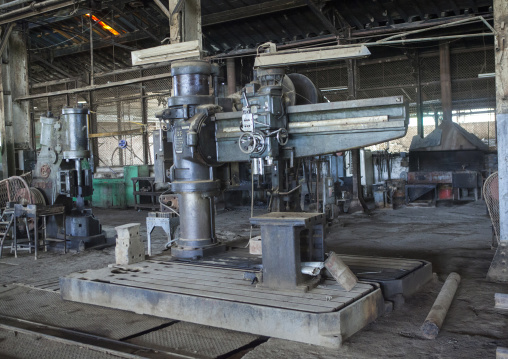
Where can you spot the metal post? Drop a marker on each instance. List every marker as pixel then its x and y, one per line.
pixel 91 52
pixel 357 195
pixel 144 120
pixel 499 268
pixel 351 79
pixel 119 119
pixel 14 78
pixel 419 99
pixel 357 202
pixel 446 82
pixel 174 23
pixel 94 148
pixel 436 118
pixel 67 99
pixel 231 73
pixel 191 26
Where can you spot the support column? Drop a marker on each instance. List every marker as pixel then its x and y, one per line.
pixel 231 73
pixel 175 30
pixel 14 84
pixel 357 202
pixel 191 22
pixel 499 268
pixel 446 82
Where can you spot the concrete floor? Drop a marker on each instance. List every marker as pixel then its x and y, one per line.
pixel 456 238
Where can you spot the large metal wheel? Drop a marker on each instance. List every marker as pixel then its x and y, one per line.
pixel 306 92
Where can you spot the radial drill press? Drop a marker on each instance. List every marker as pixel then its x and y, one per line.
pixel 273 129
pixel 190 120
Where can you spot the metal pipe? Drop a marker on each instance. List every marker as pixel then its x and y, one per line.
pixel 95 87
pixel 231 74
pixel 5 38
pixel 13 3
pixel 212 219
pixel 91 51
pixel 77 166
pixel 215 86
pixel 419 97
pixel 32 8
pixel 437 314
pixel 455 23
pixel 446 81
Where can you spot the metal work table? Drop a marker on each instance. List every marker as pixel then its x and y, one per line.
pixel 35 212
pixel 152 194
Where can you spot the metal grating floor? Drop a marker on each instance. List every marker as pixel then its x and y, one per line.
pixel 194 338
pixel 50 285
pixel 47 307
pixel 27 346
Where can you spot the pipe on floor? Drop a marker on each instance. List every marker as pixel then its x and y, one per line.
pixel 434 321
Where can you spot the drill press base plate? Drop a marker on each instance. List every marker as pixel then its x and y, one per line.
pixel 221 297
pixel 399 278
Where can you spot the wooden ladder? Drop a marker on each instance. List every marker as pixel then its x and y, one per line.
pixel 5 227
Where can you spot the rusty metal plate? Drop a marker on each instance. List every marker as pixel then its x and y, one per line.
pixel 430 177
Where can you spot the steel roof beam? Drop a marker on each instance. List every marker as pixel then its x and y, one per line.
pixel 250 11
pixel 35 10
pixel 139 27
pixel 100 44
pixel 324 20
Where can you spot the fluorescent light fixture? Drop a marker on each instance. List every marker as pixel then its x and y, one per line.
pixel 312 55
pixel 484 76
pixel 178 51
pixel 82 101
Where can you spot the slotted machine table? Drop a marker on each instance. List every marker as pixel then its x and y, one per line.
pixel 233 290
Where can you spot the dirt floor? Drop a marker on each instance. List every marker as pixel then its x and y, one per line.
pixel 453 238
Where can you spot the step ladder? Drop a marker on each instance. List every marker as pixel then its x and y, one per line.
pixel 5 227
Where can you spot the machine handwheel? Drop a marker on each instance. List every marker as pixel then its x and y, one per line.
pixel 250 142
pixel 282 137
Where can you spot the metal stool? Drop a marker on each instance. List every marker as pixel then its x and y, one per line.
pixel 166 220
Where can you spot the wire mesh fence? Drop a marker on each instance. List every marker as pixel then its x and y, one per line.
pixel 123 115
pixel 128 112
pixel 473 96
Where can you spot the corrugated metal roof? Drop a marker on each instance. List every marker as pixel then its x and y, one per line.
pixel 228 25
